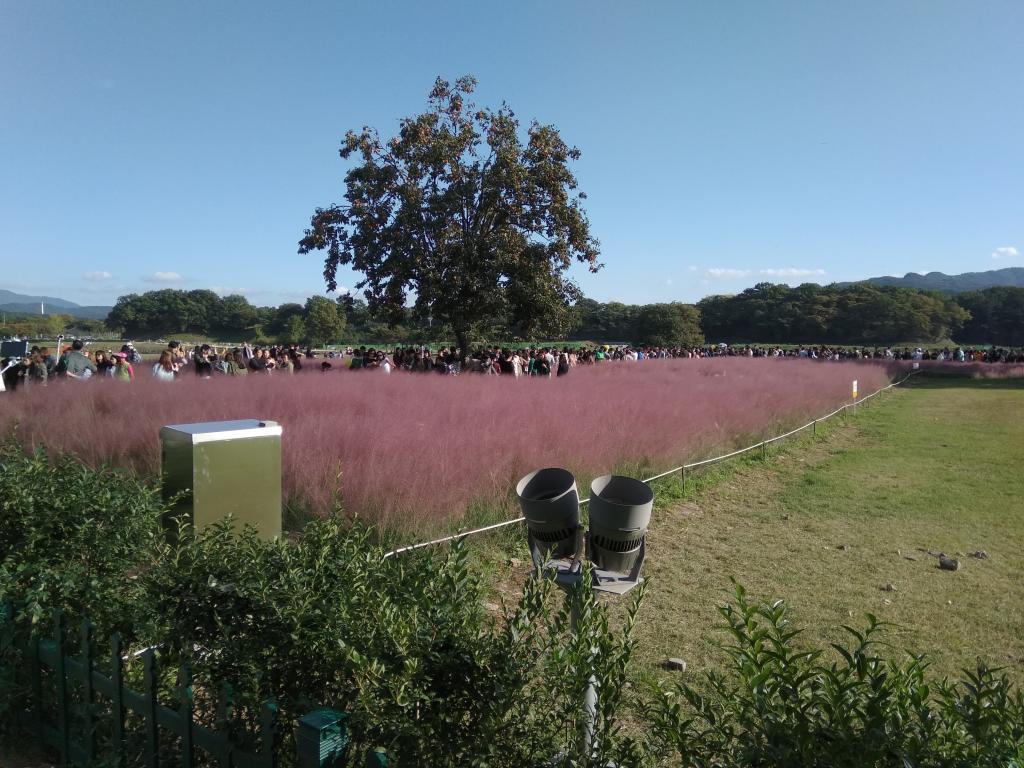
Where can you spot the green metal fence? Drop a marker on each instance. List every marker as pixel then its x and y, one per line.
pixel 83 713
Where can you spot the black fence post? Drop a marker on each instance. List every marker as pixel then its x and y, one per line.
pixel 268 734
pixel 61 678
pixel 7 636
pixel 187 711
pixel 88 694
pixel 117 699
pixel 225 706
pixel 152 749
pixel 36 674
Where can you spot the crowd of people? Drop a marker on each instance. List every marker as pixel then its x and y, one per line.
pixel 76 362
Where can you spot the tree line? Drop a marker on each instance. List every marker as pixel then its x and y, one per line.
pixel 204 313
pixel 863 313
pixel 766 313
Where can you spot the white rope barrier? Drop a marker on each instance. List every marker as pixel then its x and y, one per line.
pixel 682 468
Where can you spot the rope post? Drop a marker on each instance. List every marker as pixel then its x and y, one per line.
pixel 814 428
pixel 764 449
pixel 684 478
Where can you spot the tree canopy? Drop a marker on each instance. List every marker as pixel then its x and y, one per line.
pixel 767 313
pixel 997 316
pixel 462 215
pixel 861 313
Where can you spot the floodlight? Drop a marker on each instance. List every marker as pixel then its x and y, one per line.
pixel 551 507
pixel 620 511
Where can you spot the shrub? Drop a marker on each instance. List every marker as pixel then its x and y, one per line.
pixel 403 645
pixel 74 538
pixel 784 706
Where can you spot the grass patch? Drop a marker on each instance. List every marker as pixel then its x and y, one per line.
pixel 828 521
pixel 935 466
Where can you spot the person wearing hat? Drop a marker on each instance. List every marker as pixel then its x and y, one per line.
pixel 122 370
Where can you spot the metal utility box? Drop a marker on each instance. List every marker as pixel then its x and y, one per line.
pixel 222 468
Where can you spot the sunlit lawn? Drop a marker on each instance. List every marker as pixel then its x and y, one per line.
pixel 826 523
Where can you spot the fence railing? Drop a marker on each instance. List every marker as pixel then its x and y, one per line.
pixel 72 702
pixel 682 469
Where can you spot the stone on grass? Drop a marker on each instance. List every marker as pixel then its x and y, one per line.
pixel 889 588
pixel 948 563
pixel 675 664
pixel 981 554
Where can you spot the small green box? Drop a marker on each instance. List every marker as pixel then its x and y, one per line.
pixel 322 739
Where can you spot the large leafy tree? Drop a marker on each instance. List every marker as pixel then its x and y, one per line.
pixel 669 325
pixel 322 323
pixel 462 214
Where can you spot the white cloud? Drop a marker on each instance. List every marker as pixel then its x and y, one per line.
pixel 97 277
pixel 726 272
pixel 228 290
pixel 732 273
pixel 1005 252
pixel 164 277
pixel 791 272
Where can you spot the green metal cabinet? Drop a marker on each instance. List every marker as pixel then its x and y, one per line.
pixel 222 468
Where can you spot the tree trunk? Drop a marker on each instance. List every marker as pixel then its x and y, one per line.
pixel 462 339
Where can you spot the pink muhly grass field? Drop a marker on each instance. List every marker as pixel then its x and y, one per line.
pixel 973 370
pixel 414 451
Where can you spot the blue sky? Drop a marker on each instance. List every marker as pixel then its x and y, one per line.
pixel 186 144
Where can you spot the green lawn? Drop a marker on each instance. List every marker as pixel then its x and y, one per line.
pixel 936 466
pixel 828 522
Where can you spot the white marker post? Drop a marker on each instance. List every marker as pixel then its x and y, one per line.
pixel 855 394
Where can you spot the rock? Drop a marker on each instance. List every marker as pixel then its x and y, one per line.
pixel 948 563
pixel 889 588
pixel 515 562
pixel 675 664
pixel 910 557
pixel 981 554
pixel 843 547
pixel 492 607
pixel 887 601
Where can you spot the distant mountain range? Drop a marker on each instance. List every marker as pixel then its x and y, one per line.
pixel 939 281
pixel 30 305
pixel 933 281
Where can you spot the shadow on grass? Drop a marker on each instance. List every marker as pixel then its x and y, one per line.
pixel 953 381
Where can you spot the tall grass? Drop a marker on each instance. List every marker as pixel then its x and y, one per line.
pixel 417 451
pixel 973 370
